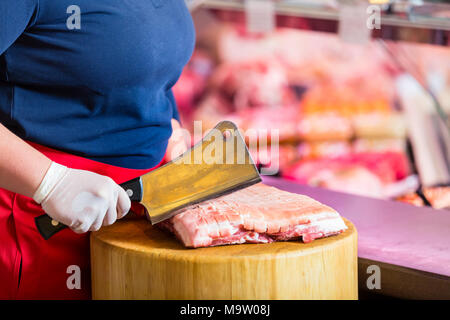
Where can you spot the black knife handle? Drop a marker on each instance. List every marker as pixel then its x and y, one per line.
pixel 134 189
pixel 47 226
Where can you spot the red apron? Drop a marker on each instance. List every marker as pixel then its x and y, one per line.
pixel 34 268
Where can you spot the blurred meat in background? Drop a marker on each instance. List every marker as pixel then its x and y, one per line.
pixel 335 106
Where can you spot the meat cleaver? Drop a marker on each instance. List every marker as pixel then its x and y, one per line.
pixel 219 164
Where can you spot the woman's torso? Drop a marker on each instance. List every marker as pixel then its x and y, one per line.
pixel 102 91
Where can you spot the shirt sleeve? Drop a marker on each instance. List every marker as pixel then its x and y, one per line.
pixel 175 113
pixel 15 17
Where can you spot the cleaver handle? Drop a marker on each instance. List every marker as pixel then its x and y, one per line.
pixel 47 227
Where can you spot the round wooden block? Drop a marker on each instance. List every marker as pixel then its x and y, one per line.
pixel 134 260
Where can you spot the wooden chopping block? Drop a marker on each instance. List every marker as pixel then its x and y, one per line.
pixel 134 260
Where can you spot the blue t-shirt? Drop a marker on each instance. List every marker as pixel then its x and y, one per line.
pixel 95 84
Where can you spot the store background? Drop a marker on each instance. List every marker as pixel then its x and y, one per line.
pixel 362 112
pixel 353 114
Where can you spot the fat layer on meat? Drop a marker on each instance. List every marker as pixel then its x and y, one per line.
pixel 257 214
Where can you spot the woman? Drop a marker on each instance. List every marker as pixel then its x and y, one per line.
pixel 85 104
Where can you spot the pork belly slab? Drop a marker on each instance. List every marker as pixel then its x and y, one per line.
pixel 257 214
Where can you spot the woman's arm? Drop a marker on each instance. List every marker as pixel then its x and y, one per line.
pixel 22 167
pixel 80 199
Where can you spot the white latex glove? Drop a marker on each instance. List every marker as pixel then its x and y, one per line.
pixel 82 200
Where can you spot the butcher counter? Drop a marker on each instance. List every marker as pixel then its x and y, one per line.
pixel 392 249
pixel 410 245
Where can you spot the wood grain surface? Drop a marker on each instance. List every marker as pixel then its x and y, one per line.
pixel 134 260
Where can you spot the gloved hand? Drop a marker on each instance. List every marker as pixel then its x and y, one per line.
pixel 82 200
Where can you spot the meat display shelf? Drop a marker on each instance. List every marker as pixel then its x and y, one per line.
pixel 409 244
pixel 396 25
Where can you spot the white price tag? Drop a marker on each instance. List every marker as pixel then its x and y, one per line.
pixel 260 16
pixel 353 22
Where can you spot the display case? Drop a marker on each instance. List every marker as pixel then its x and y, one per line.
pixel 356 117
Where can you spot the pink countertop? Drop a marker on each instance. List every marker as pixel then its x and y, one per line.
pixel 388 231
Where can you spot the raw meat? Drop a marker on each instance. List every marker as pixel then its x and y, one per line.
pixel 336 175
pixel 257 214
pixel 281 121
pixel 389 167
pixel 379 145
pixel 255 84
pixel 379 125
pixel 324 126
pixel 411 198
pixel 323 149
pixel 439 197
